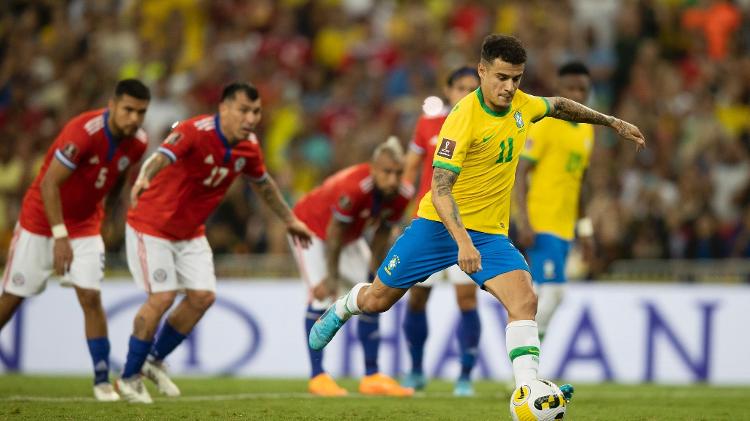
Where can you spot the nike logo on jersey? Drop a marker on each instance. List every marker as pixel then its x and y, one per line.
pixel 485 139
pixel 94 160
pixel 209 160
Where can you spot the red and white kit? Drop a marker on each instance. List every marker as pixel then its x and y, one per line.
pixel 97 159
pixel 166 246
pixel 350 197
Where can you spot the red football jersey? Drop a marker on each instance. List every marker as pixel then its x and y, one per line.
pixel 87 147
pixel 349 196
pixel 425 139
pixel 204 165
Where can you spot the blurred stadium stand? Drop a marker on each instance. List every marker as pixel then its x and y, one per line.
pixel 336 77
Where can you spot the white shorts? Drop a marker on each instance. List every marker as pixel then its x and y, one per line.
pixel 30 263
pixel 452 274
pixel 160 265
pixel 354 265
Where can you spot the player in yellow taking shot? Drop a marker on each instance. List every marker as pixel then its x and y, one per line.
pixel 548 194
pixel 464 218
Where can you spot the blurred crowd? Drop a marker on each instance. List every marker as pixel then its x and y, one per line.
pixel 338 76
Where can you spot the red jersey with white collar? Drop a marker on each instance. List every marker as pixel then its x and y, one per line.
pixel 183 195
pixel 423 143
pixel 86 146
pixel 351 197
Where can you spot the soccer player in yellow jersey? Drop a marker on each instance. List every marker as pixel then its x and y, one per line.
pixel 548 193
pixel 464 218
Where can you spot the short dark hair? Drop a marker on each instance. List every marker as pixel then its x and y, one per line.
pixel 231 90
pixel 505 47
pixel 461 72
pixel 134 88
pixel 573 68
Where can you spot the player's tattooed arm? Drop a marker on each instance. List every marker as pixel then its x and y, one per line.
pixel 379 246
pixel 267 189
pixel 469 259
pixel 334 244
pixel 566 109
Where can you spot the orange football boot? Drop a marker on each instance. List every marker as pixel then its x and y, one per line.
pixel 382 385
pixel 324 385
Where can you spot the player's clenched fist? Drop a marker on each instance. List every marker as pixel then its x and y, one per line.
pixel 469 259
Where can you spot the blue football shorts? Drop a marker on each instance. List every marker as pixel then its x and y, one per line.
pixel 426 247
pixel 547 258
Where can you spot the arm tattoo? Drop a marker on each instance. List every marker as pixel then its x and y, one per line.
pixel 565 109
pixel 444 181
pixel 271 195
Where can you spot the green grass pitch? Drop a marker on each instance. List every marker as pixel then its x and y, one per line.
pixel 69 398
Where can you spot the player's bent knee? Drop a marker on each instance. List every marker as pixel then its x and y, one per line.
pixel 524 308
pixel 201 300
pixel 161 301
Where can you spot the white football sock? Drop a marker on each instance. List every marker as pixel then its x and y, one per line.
pixel 522 343
pixel 346 306
pixel 550 295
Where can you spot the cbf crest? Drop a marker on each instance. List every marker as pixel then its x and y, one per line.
pixel 519 119
pixel 239 164
pixel 392 264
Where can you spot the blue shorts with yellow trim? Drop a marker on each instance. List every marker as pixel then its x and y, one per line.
pixel 547 258
pixel 426 247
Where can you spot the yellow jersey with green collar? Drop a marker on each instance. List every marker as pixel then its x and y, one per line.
pixel 561 151
pixel 482 146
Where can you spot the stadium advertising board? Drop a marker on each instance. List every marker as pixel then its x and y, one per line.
pixel 617 332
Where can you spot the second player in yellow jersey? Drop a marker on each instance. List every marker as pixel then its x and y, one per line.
pixel 548 193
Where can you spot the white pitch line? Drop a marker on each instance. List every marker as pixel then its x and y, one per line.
pixel 698 394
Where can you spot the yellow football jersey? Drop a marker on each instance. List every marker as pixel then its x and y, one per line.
pixel 483 147
pixel 561 151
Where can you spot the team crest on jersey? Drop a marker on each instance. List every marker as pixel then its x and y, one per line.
pixel 173 138
pixel 123 163
pixel 70 151
pixel 519 119
pixel 239 164
pixel 392 264
pixel 446 149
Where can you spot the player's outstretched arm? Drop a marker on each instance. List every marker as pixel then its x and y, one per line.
pixel 443 180
pixel 566 109
pixel 267 189
pixel 335 232
pixel 155 163
pixel 379 246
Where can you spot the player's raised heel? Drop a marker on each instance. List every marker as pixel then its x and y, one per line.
pixel 157 373
pixel 133 390
pixel 567 391
pixel 416 381
pixel 104 392
pixel 463 387
pixel 324 329
pixel 324 385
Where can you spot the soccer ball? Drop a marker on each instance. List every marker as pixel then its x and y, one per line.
pixel 538 400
